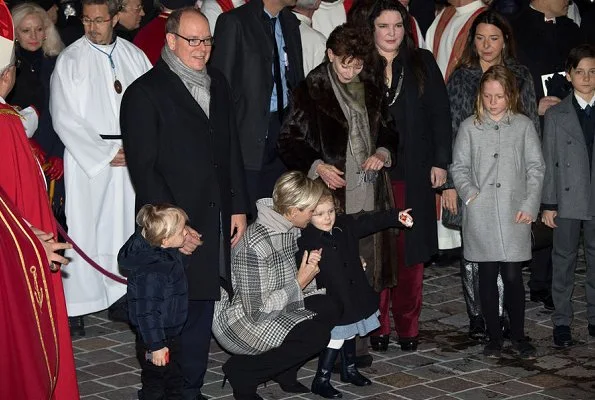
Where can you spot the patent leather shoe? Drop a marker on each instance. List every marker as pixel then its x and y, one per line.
pixel 408 344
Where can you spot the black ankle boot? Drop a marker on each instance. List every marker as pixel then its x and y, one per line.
pixel 379 343
pixel 321 385
pixel 349 372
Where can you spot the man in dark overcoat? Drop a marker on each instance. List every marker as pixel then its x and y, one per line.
pixel 182 148
pixel 259 50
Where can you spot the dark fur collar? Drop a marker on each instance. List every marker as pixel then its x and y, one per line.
pixel 321 92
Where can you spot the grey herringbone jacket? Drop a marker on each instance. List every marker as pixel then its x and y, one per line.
pixel 268 301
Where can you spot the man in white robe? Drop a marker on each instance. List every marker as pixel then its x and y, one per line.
pixel 85 94
pixel 213 8
pixel 330 14
pixel 446 38
pixel 462 11
pixel 313 42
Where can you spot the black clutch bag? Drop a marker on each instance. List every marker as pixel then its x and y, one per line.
pixel 451 220
pixel 542 236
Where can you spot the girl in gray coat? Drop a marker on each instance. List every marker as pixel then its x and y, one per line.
pixel 498 172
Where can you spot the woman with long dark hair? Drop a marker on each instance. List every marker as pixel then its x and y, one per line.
pixel 490 43
pixel 415 98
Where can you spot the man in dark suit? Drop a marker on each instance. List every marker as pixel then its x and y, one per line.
pixel 182 148
pixel 544 36
pixel 260 52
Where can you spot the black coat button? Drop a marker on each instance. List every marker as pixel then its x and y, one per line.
pixel 212 204
pixel 495 155
pixel 215 165
pixel 345 265
pixel 497 185
pixel 569 142
pixel 567 189
pixel 496 127
pixel 567 164
pixel 334 247
pixel 351 282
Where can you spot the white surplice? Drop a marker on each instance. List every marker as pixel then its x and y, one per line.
pixel 99 198
pixel 328 16
pixel 212 10
pixel 451 32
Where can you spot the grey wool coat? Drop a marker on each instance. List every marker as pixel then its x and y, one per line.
pixel 502 163
pixel 268 301
pixel 567 186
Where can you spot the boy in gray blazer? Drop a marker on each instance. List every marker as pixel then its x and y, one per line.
pixel 568 197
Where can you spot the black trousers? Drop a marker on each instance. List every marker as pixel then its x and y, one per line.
pixel 514 297
pixel 304 341
pixel 195 341
pixel 541 270
pixel 161 383
pixel 260 183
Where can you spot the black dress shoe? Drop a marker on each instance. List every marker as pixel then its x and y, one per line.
pixel 493 349
pixel 379 343
pixel 364 361
pixel 562 336
pixel 408 344
pixel 543 296
pixel 293 387
pixel 477 329
pixel 591 329
pixel 77 326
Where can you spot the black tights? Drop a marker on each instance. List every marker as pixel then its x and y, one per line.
pixel 514 297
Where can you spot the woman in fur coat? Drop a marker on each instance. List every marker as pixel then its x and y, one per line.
pixel 490 43
pixel 335 131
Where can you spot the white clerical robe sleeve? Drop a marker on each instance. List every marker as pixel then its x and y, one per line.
pixel 82 139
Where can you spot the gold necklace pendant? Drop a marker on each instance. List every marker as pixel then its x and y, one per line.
pixel 118 86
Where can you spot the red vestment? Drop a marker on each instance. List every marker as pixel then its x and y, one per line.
pixel 151 37
pixel 23 185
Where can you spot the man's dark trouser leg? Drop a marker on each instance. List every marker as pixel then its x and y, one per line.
pixel 195 341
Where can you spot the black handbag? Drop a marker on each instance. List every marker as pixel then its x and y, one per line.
pixel 542 236
pixel 451 220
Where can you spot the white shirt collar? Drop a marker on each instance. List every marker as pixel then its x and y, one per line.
pixel 303 18
pixel 582 103
pixel 546 19
pixel 2 101
pixel 470 8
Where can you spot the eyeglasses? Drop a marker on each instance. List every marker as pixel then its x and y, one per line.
pixel 135 10
pixel 196 42
pixel 96 21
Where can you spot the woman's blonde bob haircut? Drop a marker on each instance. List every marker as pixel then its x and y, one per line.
pixel 52 45
pixel 295 190
pixel 159 221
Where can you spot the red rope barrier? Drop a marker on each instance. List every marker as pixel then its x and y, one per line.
pixel 88 259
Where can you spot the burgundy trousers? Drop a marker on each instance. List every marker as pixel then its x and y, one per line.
pixel 405 299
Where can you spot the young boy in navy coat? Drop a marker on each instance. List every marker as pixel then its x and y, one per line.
pixel 157 296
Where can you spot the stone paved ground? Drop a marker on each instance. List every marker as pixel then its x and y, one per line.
pixel 446 366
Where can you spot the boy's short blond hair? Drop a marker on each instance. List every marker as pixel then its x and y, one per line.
pixel 295 190
pixel 159 221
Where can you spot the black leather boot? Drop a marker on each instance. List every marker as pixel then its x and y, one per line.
pixel 349 372
pixel 321 385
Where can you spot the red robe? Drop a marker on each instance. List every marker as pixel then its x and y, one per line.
pixel 151 38
pixel 23 184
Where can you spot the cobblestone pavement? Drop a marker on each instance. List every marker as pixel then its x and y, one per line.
pixel 447 364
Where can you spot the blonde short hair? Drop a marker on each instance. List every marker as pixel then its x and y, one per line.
pixel 159 221
pixel 52 45
pixel 295 190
